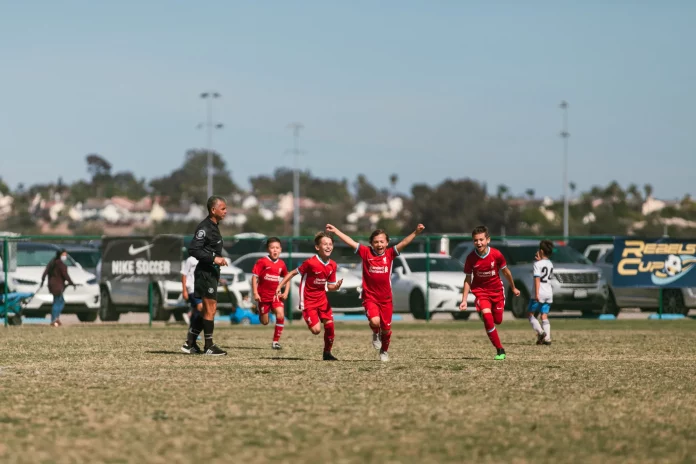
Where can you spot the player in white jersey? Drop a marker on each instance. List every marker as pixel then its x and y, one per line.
pixel 543 293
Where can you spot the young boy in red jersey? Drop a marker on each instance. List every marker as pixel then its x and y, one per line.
pixel 265 276
pixel 318 275
pixel 376 276
pixel 482 268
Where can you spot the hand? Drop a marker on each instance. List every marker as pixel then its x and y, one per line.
pixel 220 261
pixel 283 296
pixel 331 229
pixel 338 284
pixel 516 292
pixel 420 229
pixel 184 296
pixel 257 297
pixel 463 306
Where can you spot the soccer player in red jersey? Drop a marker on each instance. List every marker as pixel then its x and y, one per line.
pixel 377 262
pixel 482 268
pixel 265 276
pixel 318 275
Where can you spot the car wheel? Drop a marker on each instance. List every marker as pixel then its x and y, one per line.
pixel 107 311
pixel 461 316
pixel 159 312
pixel 245 321
pixel 87 317
pixel 673 302
pixel 417 304
pixel 519 305
pixel 610 306
pixel 14 320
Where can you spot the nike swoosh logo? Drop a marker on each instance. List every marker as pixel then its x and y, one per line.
pixel 134 251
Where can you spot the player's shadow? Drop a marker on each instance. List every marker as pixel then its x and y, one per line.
pixel 241 347
pixel 270 358
pixel 460 358
pixel 170 352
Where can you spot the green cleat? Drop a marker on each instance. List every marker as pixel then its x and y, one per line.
pixel 501 355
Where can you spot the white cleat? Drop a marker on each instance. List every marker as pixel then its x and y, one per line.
pixel 383 356
pixel 376 341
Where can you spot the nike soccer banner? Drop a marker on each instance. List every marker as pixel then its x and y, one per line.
pixel 663 262
pixel 158 257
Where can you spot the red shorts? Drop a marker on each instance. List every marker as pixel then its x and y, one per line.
pixel 314 316
pixel 382 310
pixel 264 307
pixel 492 302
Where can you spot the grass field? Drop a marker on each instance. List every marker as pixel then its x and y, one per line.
pixel 614 391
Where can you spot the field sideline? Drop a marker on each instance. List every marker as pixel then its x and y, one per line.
pixel 605 391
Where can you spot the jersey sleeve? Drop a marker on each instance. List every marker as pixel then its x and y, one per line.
pixel 392 253
pixel 256 270
pixel 332 274
pixel 537 269
pixel 283 269
pixel 362 251
pixel 469 265
pixel 304 267
pixel 186 267
pixel 500 260
pixel 197 247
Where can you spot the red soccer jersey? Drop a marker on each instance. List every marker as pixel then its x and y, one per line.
pixel 484 270
pixel 315 275
pixel 268 273
pixel 376 273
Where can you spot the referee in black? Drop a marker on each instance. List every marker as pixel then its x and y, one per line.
pixel 206 247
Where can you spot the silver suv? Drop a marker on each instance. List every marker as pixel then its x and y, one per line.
pixel 577 284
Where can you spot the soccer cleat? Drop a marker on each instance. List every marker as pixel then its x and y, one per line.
pixel 376 341
pixel 501 355
pixel 383 356
pixel 276 346
pixel 329 357
pixel 546 342
pixel 190 349
pixel 213 350
pixel 540 338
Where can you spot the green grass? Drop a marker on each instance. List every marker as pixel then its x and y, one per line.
pixel 614 391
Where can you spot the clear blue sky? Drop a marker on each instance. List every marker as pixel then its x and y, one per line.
pixel 427 89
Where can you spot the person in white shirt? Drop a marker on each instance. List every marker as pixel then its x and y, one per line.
pixel 188 294
pixel 543 293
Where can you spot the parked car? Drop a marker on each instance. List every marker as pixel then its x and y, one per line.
pixel 594 251
pixel 577 284
pixel 130 294
pixel 411 285
pixel 32 259
pixel 675 300
pixel 345 300
pixel 88 257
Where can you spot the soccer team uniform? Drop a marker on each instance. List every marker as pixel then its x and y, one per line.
pixel 486 284
pixel 543 269
pixel 268 273
pixel 316 275
pixel 376 283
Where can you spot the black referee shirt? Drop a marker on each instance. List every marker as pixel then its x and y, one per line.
pixel 206 245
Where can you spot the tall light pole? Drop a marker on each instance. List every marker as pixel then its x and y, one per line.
pixel 296 127
pixel 210 126
pixel 565 135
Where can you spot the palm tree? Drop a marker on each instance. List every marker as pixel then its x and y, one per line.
pixel 502 190
pixel 530 193
pixel 648 190
pixel 393 180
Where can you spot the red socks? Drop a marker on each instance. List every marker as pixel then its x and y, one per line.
pixel 280 322
pixel 492 332
pixel 328 336
pixel 386 338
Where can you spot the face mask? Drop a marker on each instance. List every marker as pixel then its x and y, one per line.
pixel 63 257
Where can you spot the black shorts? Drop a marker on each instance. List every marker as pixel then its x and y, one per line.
pixel 206 284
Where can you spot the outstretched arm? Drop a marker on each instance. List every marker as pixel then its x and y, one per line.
pixel 344 238
pixel 408 239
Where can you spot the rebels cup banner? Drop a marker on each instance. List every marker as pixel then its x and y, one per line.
pixel 158 257
pixel 661 263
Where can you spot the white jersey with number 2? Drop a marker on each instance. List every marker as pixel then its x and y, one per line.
pixel 544 269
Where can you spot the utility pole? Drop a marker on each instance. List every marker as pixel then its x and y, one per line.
pixel 210 126
pixel 296 128
pixel 565 135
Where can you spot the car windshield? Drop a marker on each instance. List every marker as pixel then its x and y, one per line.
pixel 434 264
pixel 524 254
pixel 87 259
pixel 38 257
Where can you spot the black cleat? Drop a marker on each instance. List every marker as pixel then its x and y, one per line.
pixel 329 357
pixel 213 350
pixel 540 338
pixel 547 343
pixel 191 349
